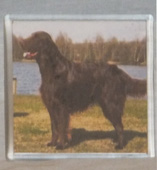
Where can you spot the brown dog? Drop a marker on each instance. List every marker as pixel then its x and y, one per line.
pixel 68 87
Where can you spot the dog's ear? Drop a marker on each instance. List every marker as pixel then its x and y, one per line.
pixel 48 46
pixel 21 41
pixel 45 45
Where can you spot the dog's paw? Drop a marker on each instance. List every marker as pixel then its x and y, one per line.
pixel 118 147
pixel 51 144
pixel 60 147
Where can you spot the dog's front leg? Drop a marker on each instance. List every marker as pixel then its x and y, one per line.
pixel 64 135
pixel 54 131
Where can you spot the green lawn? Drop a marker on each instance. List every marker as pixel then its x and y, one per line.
pixel 91 132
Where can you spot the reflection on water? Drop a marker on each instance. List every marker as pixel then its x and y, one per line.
pixel 28 76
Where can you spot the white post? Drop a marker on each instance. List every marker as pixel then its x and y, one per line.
pixel 14 85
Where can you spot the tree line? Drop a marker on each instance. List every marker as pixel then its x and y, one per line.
pixel 98 50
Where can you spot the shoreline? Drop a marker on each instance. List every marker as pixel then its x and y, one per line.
pixel 109 62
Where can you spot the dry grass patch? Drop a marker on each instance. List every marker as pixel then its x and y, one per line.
pixel 91 132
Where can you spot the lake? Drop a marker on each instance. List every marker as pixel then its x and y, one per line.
pixel 28 76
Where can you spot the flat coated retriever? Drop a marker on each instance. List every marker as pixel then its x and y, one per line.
pixel 68 87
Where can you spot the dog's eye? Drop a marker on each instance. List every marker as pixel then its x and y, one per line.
pixel 57 76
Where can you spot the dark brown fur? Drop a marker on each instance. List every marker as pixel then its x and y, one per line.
pixel 68 87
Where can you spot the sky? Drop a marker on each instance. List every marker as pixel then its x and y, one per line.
pixel 80 31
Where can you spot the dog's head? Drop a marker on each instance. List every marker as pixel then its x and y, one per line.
pixel 35 45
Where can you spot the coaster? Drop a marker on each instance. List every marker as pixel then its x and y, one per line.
pixel 79 86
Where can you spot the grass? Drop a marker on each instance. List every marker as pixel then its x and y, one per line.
pixel 91 132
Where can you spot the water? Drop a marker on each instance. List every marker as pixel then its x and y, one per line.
pixel 139 72
pixel 28 76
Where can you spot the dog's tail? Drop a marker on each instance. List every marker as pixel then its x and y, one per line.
pixel 134 87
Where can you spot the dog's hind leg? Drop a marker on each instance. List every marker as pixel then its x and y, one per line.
pixel 114 115
pixel 119 130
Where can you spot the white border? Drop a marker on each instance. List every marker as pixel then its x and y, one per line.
pixel 8 84
pixel 150 89
pixel 8 88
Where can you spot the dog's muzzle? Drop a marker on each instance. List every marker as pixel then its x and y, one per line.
pixel 29 55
